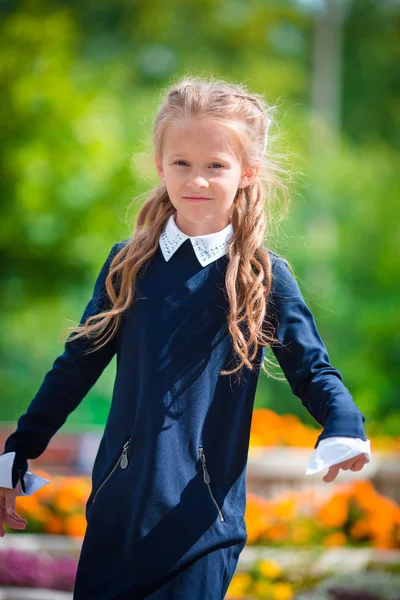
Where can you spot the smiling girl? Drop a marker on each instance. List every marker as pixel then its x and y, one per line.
pixel 188 304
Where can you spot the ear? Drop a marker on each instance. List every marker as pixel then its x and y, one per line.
pixel 159 169
pixel 249 174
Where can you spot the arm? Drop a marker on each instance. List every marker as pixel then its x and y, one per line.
pixel 64 386
pixel 305 362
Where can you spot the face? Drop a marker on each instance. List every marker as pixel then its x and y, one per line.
pixel 202 172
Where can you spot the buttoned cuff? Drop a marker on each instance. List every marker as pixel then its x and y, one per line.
pixel 31 482
pixel 335 449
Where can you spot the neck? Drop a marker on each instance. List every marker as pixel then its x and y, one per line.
pixel 193 229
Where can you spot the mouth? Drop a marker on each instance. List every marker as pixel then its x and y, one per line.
pixel 196 198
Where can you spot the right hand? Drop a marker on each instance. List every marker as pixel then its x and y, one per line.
pixel 8 514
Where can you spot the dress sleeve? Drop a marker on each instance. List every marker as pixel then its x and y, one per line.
pixel 64 386
pixel 336 449
pixel 304 359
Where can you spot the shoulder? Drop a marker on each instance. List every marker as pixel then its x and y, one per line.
pixel 277 260
pixel 284 281
pixel 119 245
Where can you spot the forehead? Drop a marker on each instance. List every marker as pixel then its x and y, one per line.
pixel 200 137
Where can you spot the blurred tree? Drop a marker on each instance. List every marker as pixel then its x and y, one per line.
pixel 80 84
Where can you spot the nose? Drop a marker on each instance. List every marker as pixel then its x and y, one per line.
pixel 197 181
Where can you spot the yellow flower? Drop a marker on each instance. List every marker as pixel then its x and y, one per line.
pixel 270 568
pixel 301 533
pixel 282 591
pixel 239 585
pixel 262 589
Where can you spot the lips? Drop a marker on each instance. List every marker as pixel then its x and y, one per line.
pixel 196 198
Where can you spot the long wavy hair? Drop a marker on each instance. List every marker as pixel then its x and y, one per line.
pixel 253 215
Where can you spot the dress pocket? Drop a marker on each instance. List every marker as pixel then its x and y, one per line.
pixel 207 481
pixel 122 462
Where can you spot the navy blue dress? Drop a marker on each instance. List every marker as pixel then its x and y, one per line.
pixel 165 517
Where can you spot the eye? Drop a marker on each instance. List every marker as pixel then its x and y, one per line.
pixel 213 164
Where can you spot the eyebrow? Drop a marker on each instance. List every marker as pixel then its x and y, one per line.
pixel 211 158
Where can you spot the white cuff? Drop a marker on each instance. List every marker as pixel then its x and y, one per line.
pixel 336 449
pixel 32 482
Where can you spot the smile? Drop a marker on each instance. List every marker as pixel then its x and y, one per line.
pixel 196 198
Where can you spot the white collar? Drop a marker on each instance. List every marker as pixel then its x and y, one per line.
pixel 207 247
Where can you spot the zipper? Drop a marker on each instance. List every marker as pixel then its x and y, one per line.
pixel 122 461
pixel 207 480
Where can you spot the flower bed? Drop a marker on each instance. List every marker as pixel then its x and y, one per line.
pixel 268 581
pixel 263 578
pixel 270 429
pixel 37 570
pixel 58 507
pixel 354 515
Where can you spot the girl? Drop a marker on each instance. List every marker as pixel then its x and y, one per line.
pixel 192 298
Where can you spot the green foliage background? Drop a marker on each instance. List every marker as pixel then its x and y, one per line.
pixel 80 86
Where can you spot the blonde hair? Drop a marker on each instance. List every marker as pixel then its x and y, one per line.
pixel 248 275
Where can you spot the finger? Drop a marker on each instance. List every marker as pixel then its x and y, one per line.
pixel 351 461
pixel 14 517
pixel 16 525
pixel 359 463
pixel 331 474
pixel 11 520
pixel 347 464
pixel 14 520
pixel 10 495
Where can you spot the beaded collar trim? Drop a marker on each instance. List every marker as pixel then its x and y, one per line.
pixel 206 247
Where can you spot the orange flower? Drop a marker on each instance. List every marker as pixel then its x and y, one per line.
pixel 384 541
pixel 285 510
pixel 75 525
pixel 41 514
pixel 295 433
pixel 266 425
pixel 335 512
pixel 26 505
pixel 365 494
pixel 54 525
pixel 256 517
pixel 71 494
pixel 277 532
pixel 256 441
pixel 360 529
pixel 335 539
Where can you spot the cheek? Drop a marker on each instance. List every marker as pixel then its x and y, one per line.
pixel 227 182
pixel 174 178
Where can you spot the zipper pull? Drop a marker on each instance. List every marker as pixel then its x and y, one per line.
pixel 124 457
pixel 206 475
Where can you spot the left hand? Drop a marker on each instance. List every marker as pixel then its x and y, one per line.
pixel 355 463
